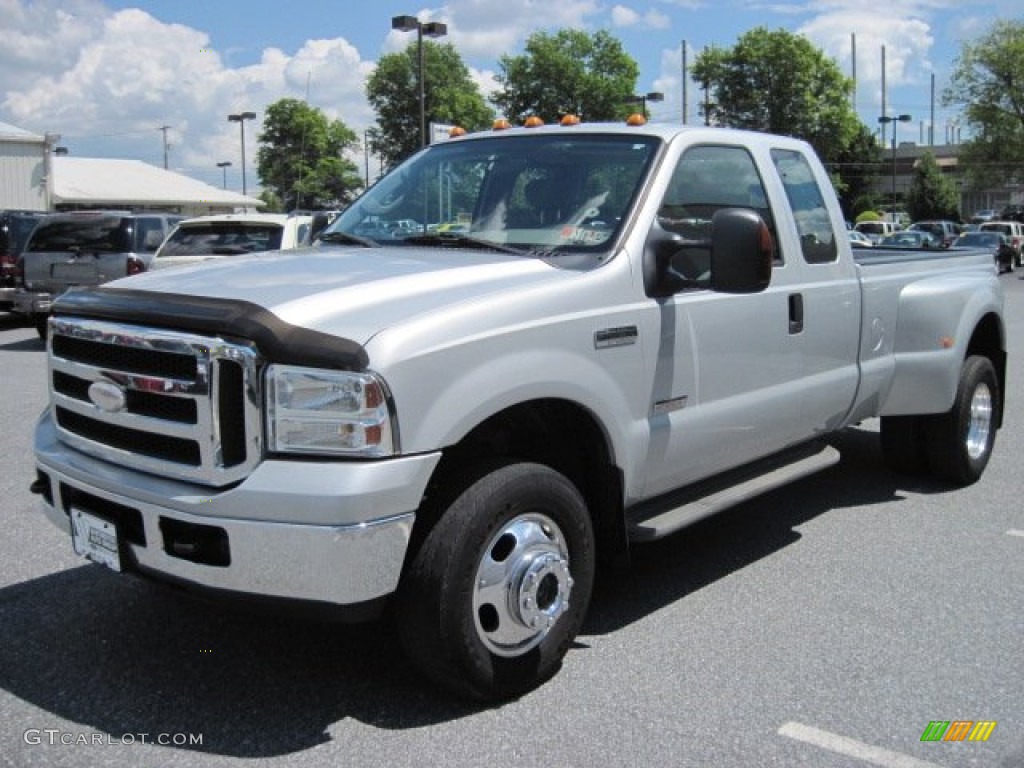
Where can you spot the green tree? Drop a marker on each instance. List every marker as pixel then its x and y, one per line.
pixel 987 83
pixel 452 97
pixel 301 157
pixel 778 82
pixel 931 194
pixel 854 171
pixel 569 72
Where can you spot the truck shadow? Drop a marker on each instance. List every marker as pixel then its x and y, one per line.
pixel 122 656
pixel 667 570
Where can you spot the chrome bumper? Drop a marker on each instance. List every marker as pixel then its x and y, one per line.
pixel 341 563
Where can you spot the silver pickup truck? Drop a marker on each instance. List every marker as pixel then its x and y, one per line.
pixel 632 327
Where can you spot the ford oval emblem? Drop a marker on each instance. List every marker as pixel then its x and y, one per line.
pixel 107 397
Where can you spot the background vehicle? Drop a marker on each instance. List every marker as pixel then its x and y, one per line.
pixel 1014 231
pixel 911 239
pixel 859 239
pixel 985 214
pixel 85 248
pixel 642 326
pixel 1005 255
pixel 15 228
pixel 876 230
pixel 233 234
pixel 945 231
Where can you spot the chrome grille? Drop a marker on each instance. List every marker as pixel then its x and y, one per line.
pixel 184 406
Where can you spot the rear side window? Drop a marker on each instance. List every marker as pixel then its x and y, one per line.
pixel 14 232
pixel 101 234
pixel 813 224
pixel 223 239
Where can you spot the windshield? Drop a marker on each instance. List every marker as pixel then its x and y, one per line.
pixel 544 193
pixel 222 238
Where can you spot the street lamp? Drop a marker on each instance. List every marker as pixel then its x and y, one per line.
pixel 224 166
pixel 884 120
pixel 643 98
pixel 240 118
pixel 430 29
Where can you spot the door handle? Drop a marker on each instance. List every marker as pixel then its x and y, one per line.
pixel 796 313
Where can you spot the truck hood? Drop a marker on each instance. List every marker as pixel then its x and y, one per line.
pixel 350 292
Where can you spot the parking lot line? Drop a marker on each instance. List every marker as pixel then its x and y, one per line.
pixel 1014 532
pixel 851 747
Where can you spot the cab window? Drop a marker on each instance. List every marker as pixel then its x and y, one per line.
pixel 813 223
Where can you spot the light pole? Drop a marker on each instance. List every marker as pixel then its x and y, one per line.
pixel 643 98
pixel 430 29
pixel 240 118
pixel 224 166
pixel 885 119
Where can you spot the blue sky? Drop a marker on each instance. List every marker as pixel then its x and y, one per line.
pixel 106 74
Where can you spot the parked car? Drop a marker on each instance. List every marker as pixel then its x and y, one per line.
pixel 1005 255
pixel 15 228
pixel 909 238
pixel 946 231
pixel 859 239
pixel 876 230
pixel 1012 213
pixel 985 214
pixel 232 234
pixel 85 248
pixel 1014 231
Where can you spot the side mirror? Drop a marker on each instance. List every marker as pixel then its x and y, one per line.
pixel 737 258
pixel 742 251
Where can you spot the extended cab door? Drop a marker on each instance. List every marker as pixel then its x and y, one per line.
pixel 738 377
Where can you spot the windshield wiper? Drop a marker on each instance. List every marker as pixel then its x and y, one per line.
pixel 458 240
pixel 345 237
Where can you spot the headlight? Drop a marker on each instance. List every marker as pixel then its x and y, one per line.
pixel 327 412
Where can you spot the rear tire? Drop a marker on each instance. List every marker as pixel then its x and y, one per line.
pixel 960 441
pixel 494 597
pixel 42 325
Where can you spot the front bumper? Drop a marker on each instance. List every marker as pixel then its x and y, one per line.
pixel 332 533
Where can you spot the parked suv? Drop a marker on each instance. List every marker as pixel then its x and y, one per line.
pixel 85 248
pixel 15 227
pixel 1014 231
pixel 232 234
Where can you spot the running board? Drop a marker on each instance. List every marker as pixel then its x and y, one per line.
pixel 652 520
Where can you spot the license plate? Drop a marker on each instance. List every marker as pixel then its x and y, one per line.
pixel 95 538
pixel 76 271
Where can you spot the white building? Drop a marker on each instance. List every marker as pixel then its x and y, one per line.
pixel 87 182
pixel 32 177
pixel 23 168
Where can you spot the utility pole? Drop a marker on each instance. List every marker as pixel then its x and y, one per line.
pixel 164 129
pixel 685 76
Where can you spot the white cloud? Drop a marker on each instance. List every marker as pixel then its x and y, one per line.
pixel 624 17
pixel 131 73
pixel 907 40
pixel 627 17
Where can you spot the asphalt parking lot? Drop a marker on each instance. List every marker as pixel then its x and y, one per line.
pixel 829 623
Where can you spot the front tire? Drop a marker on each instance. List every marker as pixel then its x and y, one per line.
pixel 960 441
pixel 494 597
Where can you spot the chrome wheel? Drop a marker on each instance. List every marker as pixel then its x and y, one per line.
pixel 980 421
pixel 522 585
